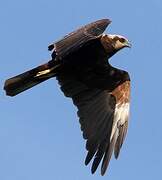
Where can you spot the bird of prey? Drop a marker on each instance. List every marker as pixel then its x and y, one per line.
pixel 100 91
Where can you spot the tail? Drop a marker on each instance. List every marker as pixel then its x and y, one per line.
pixel 27 80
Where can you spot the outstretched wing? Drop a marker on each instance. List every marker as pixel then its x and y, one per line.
pixel 102 116
pixel 78 38
pixel 120 122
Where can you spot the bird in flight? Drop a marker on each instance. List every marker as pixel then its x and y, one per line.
pixel 101 92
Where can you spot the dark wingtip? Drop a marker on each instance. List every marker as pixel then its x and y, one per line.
pixel 96 161
pixel 87 161
pixel 95 165
pixel 89 157
pixel 93 169
pixel 116 154
pixel 98 27
pixel 105 22
pixel 103 172
pixel 104 168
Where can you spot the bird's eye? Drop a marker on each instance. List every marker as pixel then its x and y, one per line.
pixel 122 40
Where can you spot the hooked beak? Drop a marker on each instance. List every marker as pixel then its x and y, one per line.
pixel 128 44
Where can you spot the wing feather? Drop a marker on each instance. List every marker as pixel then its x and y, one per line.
pixel 103 116
pixel 122 94
pixel 108 154
pixel 78 38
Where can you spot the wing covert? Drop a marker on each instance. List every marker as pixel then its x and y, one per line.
pixel 78 38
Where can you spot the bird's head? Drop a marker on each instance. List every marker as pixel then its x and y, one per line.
pixel 119 41
pixel 113 43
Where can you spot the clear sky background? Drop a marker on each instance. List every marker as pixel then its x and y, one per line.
pixel 40 136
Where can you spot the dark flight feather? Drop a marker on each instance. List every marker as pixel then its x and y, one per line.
pixel 108 154
pixel 122 133
pixel 94 124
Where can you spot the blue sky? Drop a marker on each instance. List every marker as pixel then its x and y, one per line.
pixel 40 135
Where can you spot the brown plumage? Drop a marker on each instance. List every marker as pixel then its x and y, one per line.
pixel 100 91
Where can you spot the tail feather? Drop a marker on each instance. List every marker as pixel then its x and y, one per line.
pixel 28 79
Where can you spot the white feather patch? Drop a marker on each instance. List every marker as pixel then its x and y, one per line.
pixel 120 116
pixel 43 72
pixel 47 71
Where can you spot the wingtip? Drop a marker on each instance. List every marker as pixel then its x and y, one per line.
pixel 108 20
pixel 93 170
pixel 105 21
pixel 103 172
pixel 116 154
pixel 86 162
pixel 89 157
